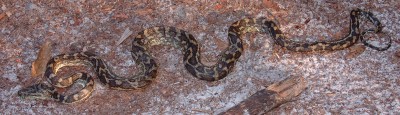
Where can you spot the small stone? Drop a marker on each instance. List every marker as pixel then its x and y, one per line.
pixel 71 21
pixel 397 54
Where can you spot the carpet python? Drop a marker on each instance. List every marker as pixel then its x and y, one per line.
pixel 191 51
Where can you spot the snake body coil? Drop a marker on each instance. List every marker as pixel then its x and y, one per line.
pixel 191 56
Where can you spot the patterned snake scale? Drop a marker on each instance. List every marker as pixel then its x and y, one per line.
pixel 191 51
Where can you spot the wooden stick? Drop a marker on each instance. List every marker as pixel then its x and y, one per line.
pixel 269 98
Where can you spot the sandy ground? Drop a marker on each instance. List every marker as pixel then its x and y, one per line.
pixel 337 83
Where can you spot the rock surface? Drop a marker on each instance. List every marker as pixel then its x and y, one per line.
pixel 363 84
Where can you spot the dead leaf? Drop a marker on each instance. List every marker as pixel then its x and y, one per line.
pixel 124 35
pixel 77 18
pixel 277 52
pixel 121 16
pixel 4 8
pixel 221 45
pixel 396 57
pixel 39 65
pixel 218 7
pixel 8 13
pixel 271 4
pixel 2 15
pixel 144 11
pixel 107 8
pixel 355 51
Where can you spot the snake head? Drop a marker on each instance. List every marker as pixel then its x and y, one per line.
pixel 37 91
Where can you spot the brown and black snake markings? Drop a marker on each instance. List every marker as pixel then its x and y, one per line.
pixel 191 51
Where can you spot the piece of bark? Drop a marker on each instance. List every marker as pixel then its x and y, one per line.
pixel 269 98
pixel 44 55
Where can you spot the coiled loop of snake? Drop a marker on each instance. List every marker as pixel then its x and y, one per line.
pixel 191 56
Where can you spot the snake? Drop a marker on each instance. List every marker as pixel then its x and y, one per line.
pixel 165 35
